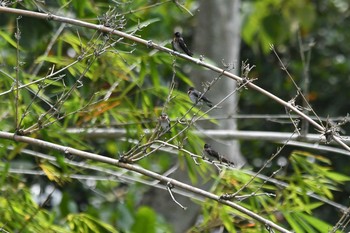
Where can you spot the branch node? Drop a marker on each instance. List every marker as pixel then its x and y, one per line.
pixel 331 129
pixel 170 185
pixel 226 196
pixel 268 228
pixel 150 44
pixel 19 132
pixel 49 16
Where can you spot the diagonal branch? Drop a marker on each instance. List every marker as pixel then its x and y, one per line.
pixel 197 61
pixel 163 179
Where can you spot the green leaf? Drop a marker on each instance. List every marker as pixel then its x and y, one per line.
pixel 274 27
pixel 337 177
pixel 4 169
pixel 145 221
pixel 315 222
pixel 306 226
pixel 294 224
pixel 227 220
pixel 8 38
pixel 86 223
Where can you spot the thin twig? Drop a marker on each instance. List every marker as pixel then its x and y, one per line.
pixel 169 187
pixel 164 49
pixel 145 8
pixel 227 196
pixel 342 222
pixel 240 198
pixel 18 37
pixel 140 170
pixel 284 68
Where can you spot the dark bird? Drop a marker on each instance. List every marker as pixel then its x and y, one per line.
pixel 179 44
pixel 164 122
pixel 212 154
pixel 198 98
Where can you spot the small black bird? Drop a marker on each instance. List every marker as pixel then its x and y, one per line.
pixel 197 97
pixel 179 45
pixel 164 122
pixel 212 154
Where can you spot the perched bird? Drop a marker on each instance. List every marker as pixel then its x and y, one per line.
pixel 212 154
pixel 164 122
pixel 179 45
pixel 197 97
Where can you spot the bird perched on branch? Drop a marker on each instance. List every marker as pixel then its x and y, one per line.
pixel 164 122
pixel 179 44
pixel 198 98
pixel 211 154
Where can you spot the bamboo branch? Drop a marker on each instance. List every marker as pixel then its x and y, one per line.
pixel 163 179
pixel 218 133
pixel 197 61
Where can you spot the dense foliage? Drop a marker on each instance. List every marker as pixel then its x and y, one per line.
pixel 77 78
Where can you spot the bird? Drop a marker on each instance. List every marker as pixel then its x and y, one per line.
pixel 164 122
pixel 210 153
pixel 179 44
pixel 198 98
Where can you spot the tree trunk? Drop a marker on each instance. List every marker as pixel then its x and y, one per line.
pixel 217 37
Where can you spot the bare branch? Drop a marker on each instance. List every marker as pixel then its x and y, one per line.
pixel 156 46
pixel 169 187
pixel 17 68
pixel 140 170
